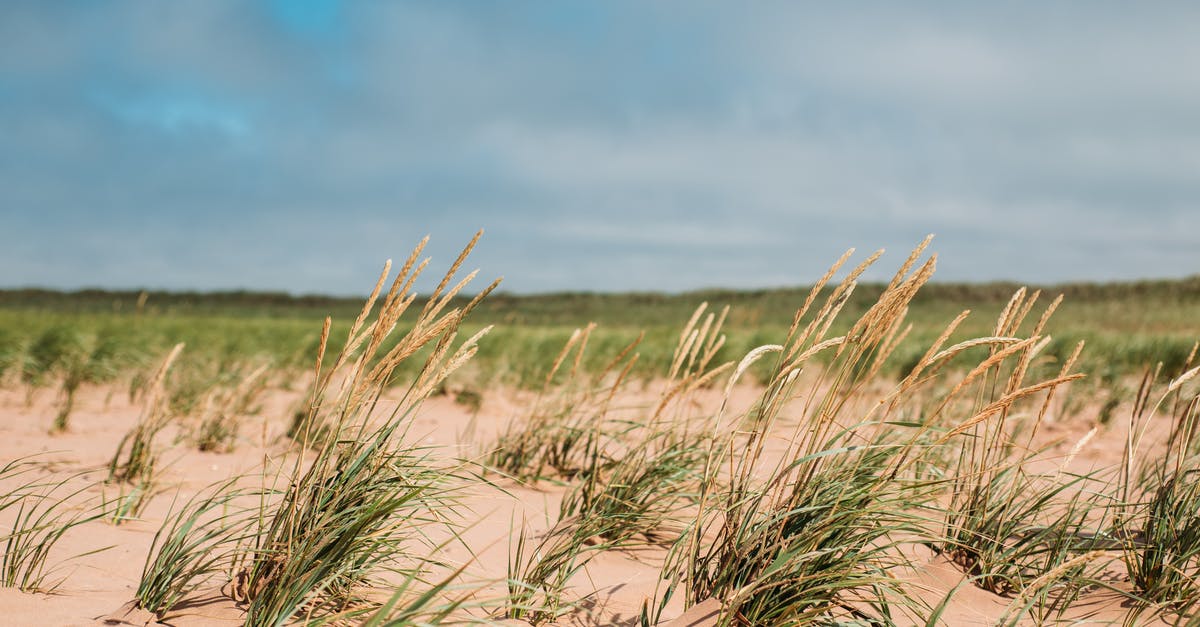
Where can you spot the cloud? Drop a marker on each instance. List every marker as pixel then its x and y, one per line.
pixel 175 112
pixel 604 146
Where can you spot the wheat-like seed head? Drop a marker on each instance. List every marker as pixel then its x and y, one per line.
pixel 1023 312
pixel 1006 402
pixel 1002 322
pixel 933 349
pixel 814 292
pixel 462 257
pixel 1075 450
pixel 1016 608
pixel 908 263
pixel 1183 378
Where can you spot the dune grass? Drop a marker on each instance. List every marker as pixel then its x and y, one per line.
pixel 1160 493
pixel 809 527
pixel 1005 525
pixel 869 424
pixel 224 408
pixel 198 542
pixel 357 509
pixel 136 460
pixel 43 510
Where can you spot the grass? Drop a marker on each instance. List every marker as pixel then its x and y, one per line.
pixel 806 534
pixel 65 352
pixel 1160 494
pixel 43 510
pixel 1125 325
pixel 130 501
pixel 198 541
pixel 559 436
pixel 416 604
pixel 641 496
pixel 362 500
pixel 784 458
pixel 358 508
pixel 813 532
pixel 224 409
pixel 1005 525
pixel 136 460
pixel 635 477
pixel 540 568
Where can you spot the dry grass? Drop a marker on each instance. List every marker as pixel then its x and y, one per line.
pixel 802 506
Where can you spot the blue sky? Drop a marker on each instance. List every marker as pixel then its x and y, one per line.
pixel 295 145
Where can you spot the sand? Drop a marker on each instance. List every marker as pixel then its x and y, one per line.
pixel 97 589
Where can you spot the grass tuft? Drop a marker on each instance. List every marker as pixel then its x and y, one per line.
pixel 43 512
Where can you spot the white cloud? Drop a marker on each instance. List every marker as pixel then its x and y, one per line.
pixel 633 144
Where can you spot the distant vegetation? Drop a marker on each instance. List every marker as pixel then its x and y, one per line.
pixel 640 309
pixel 1127 326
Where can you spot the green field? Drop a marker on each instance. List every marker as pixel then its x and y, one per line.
pixel 1127 326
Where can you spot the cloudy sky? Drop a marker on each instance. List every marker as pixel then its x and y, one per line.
pixel 294 145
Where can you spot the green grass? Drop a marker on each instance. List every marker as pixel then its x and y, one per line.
pixel 225 407
pixel 1006 525
pixel 360 507
pixel 885 421
pixel 938 458
pixel 136 459
pixel 1160 493
pixel 198 541
pixel 43 511
pixel 1127 326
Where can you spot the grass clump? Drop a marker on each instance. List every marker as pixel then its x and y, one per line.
pixel 1005 525
pixel 1159 516
pixel 810 527
pixel 11 353
pixel 197 543
pixel 650 471
pixel 635 476
pixel 363 500
pixel 49 351
pixel 44 511
pixel 641 496
pixel 73 357
pixel 807 532
pixel 223 410
pixel 129 502
pixel 135 460
pixel 361 505
pixel 558 438
pixel 540 568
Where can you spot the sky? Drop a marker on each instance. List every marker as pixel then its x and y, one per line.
pixel 293 145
